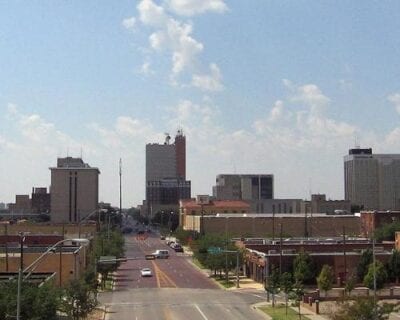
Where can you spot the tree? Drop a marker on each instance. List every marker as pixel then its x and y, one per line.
pixel 216 261
pixel 387 231
pixel 394 266
pixel 286 283
pixel 304 269
pixel 326 278
pixel 380 275
pixel 108 244
pixel 298 291
pixel 78 300
pixel 273 283
pixel 350 283
pixel 37 303
pixel 365 261
pixel 362 309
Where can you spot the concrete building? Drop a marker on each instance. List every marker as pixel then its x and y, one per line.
pixel 74 190
pixel 166 180
pixel 372 181
pixel 319 204
pixel 254 188
pixel 22 204
pixel 40 200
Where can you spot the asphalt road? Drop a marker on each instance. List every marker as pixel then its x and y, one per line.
pixel 177 290
pixel 180 304
pixel 175 272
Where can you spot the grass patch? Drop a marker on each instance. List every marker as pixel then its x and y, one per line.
pixel 279 313
pixel 197 263
pixel 224 283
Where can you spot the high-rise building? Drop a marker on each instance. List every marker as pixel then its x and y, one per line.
pixel 254 188
pixel 74 190
pixel 372 181
pixel 166 182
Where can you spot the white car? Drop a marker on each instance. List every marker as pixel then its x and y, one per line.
pixel 146 272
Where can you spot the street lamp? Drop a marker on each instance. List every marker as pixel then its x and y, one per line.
pixel 34 264
pixel 87 217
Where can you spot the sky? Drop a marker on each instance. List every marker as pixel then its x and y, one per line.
pixel 259 86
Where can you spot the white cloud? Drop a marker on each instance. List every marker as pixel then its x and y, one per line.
pixel 312 96
pixel 209 82
pixel 290 141
pixel 395 99
pixel 193 7
pixel 151 14
pixel 129 23
pixel 145 69
pixel 174 38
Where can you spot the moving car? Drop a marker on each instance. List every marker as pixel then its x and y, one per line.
pixel 146 272
pixel 161 254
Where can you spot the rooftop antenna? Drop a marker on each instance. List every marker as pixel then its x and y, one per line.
pixel 81 152
pixel 167 138
pixel 356 142
pixel 67 152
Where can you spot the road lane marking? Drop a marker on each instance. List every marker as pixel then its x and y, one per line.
pixel 201 312
pixel 163 280
pixel 167 313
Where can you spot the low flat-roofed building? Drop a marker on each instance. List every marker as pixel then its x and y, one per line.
pixel 340 255
pixel 269 225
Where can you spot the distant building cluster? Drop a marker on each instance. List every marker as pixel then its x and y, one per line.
pixel 73 194
pixel 371 183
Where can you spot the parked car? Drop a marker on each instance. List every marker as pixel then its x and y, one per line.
pixel 178 248
pixel 146 272
pixel 162 237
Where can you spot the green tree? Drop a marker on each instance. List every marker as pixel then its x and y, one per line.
pixel 78 300
pixel 350 284
pixel 362 309
pixel 387 231
pixel 216 261
pixel 365 261
pixel 273 283
pixel 304 269
pixel 37 303
pixel 286 284
pixel 394 266
pixel 325 278
pixel 298 292
pixel 380 275
pixel 108 244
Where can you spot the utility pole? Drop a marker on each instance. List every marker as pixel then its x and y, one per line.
pixel 344 254
pixel 120 185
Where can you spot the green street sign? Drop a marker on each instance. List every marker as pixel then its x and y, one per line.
pixel 214 250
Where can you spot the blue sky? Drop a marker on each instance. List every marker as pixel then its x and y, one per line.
pixel 281 87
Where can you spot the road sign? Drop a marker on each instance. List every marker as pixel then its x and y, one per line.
pixel 107 260
pixel 214 250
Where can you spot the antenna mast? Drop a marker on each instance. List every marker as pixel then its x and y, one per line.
pixel 120 185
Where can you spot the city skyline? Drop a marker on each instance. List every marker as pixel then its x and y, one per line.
pixel 276 88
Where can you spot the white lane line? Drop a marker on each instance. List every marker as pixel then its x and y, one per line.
pixel 201 312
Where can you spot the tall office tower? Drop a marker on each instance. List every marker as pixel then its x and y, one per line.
pixel 372 181
pixel 74 190
pixel 244 187
pixel 253 188
pixel 166 182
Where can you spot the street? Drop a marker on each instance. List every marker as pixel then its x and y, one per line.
pixel 177 289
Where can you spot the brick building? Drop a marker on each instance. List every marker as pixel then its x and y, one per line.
pixel 268 225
